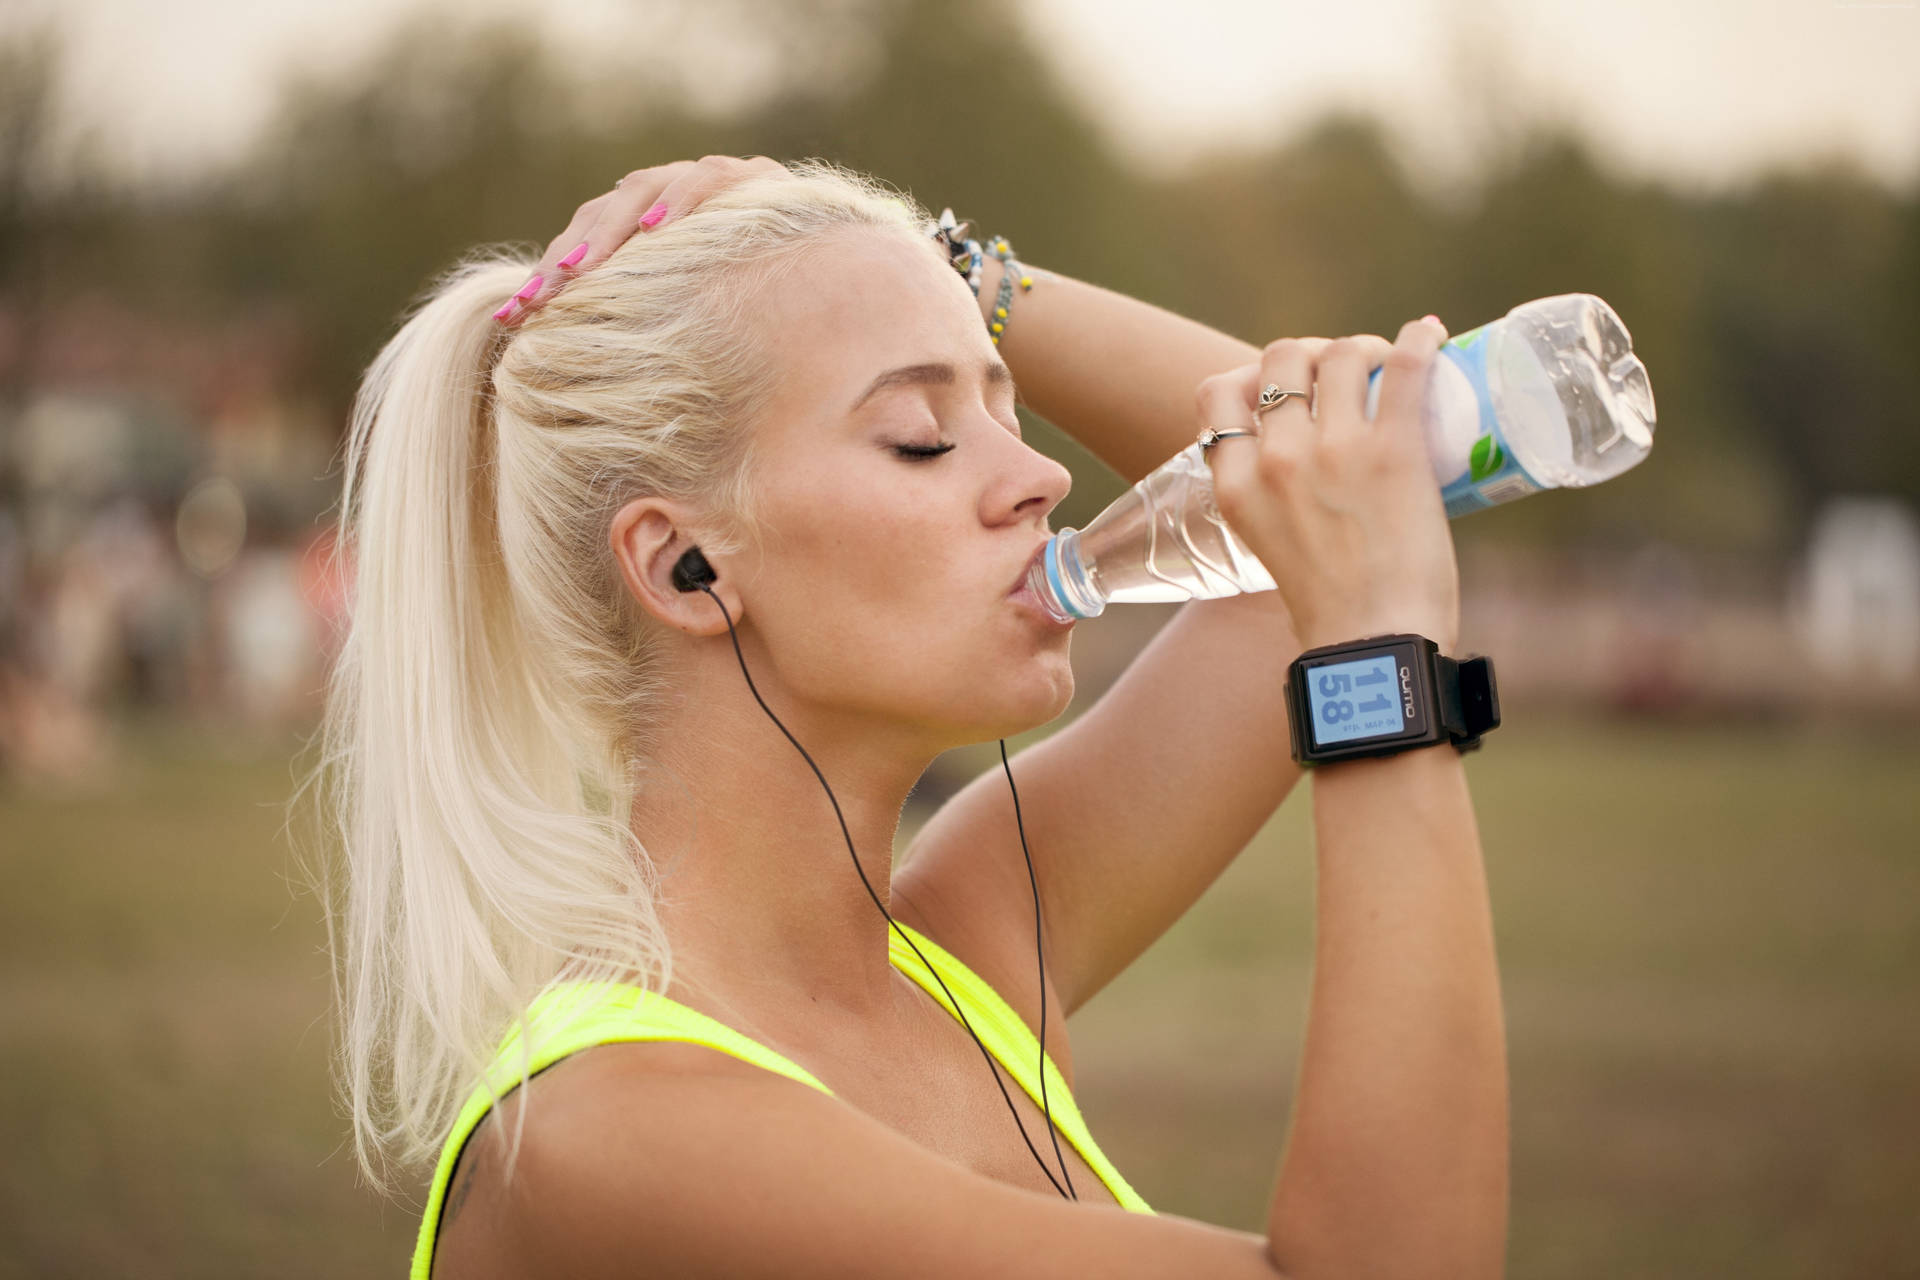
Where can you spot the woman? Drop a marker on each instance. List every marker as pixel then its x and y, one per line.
pixel 558 793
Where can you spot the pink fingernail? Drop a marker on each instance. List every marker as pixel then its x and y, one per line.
pixel 1434 318
pixel 572 260
pixel 530 288
pixel 654 215
pixel 507 310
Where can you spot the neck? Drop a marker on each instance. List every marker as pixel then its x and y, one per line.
pixel 760 900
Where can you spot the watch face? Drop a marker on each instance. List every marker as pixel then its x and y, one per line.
pixel 1362 699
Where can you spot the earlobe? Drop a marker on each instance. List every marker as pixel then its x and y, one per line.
pixel 657 550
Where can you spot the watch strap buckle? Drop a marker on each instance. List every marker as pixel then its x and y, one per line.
pixel 1469 699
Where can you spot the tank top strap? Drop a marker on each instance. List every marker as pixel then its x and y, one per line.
pixel 569 1017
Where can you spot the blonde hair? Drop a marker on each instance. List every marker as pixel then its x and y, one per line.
pixel 495 695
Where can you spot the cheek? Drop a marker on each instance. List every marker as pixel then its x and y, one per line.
pixel 903 648
pixel 860 598
pixel 882 594
pixel 885 547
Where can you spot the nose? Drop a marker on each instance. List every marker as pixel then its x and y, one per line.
pixel 1029 487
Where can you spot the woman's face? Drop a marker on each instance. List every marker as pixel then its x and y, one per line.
pixel 899 508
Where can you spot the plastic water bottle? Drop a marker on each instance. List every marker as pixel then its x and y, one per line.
pixel 1550 396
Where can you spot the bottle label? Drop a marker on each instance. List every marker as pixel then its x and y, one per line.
pixel 1489 475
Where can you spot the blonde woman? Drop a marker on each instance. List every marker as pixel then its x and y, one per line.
pixel 601 952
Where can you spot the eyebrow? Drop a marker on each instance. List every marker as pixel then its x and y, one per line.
pixel 933 374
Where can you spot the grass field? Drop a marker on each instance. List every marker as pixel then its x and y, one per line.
pixel 1710 939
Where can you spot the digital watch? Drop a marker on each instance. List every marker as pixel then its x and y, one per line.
pixel 1386 694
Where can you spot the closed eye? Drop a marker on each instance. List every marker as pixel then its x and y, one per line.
pixel 922 451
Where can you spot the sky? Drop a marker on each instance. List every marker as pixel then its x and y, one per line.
pixel 1697 93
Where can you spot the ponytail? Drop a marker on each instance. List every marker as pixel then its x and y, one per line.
pixel 489 855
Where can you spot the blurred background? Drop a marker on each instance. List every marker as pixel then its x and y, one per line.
pixel 1699 818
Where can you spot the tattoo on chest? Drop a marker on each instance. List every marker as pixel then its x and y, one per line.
pixel 462 1186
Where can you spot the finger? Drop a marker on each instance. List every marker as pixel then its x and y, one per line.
pixel 625 214
pixel 576 230
pixel 1226 403
pixel 1342 393
pixel 712 175
pixel 1226 400
pixel 1403 382
pixel 544 279
pixel 1289 426
pixel 601 225
pixel 565 250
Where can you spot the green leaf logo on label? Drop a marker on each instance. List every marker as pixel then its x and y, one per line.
pixel 1465 341
pixel 1487 457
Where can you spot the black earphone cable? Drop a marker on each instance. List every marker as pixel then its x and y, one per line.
pixel 959 1012
pixel 1040 964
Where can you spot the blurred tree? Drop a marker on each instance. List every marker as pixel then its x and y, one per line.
pixel 29 66
pixel 1323 236
pixel 1777 320
pixel 1814 331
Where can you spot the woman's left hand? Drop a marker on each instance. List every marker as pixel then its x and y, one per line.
pixel 642 201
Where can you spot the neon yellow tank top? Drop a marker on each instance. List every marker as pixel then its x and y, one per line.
pixel 572 1017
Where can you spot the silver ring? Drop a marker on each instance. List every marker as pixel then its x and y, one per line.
pixel 1272 397
pixel 1214 435
pixel 618 182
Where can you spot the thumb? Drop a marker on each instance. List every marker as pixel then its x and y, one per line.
pixel 1403 376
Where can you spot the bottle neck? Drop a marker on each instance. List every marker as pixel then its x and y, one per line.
pixel 1062 582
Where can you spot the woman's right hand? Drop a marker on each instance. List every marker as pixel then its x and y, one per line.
pixel 1343 512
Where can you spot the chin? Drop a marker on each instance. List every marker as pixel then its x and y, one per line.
pixel 1062 691
pixel 1011 695
pixel 1042 695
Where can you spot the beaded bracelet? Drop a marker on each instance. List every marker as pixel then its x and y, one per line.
pixel 968 257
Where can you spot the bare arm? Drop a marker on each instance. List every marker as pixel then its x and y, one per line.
pixel 1397 1154
pixel 1396 1160
pixel 1115 373
pixel 1131 811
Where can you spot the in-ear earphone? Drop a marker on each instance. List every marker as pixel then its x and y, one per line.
pixel 691 572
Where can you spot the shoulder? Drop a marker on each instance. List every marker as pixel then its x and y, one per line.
pixel 544 1144
pixel 661 1158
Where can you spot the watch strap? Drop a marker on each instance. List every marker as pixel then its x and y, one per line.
pixel 1469 698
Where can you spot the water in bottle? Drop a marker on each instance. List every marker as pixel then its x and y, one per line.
pixel 1550 396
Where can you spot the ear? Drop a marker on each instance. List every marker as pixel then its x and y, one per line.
pixel 648 536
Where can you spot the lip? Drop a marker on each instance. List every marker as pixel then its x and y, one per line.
pixel 1023 596
pixel 1026 566
pixel 1029 603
